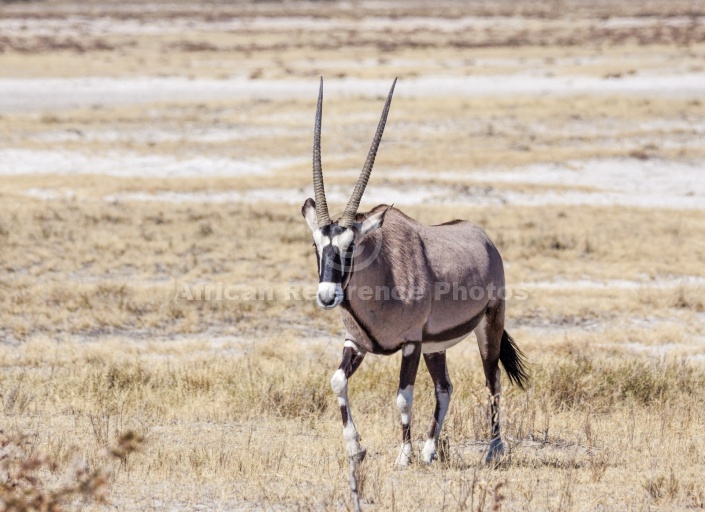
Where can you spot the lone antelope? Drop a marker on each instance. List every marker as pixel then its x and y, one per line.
pixel 384 250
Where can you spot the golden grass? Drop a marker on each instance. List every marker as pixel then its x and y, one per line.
pixel 237 427
pixel 92 266
pixel 232 396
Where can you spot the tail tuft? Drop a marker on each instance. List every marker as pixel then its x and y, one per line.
pixel 514 361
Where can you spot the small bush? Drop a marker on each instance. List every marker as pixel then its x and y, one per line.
pixel 25 478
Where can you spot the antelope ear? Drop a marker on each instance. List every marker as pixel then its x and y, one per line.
pixel 371 223
pixel 308 210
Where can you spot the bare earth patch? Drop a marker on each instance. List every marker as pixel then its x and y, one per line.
pixel 149 149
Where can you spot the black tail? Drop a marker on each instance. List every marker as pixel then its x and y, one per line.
pixel 514 361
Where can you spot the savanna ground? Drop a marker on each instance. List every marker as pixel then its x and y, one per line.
pixel 151 148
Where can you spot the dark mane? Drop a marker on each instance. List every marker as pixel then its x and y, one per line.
pixel 450 222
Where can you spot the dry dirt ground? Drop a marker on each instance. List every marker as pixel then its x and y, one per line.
pixel 149 150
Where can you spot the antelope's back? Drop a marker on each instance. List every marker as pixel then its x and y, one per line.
pixel 455 252
pixel 467 273
pixel 461 252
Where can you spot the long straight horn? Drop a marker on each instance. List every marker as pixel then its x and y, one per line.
pixel 319 190
pixel 351 209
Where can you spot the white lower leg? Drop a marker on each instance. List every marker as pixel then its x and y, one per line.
pixel 405 399
pixel 352 439
pixel 429 449
pixel 339 383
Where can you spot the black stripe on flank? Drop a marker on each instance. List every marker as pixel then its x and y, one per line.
pixel 454 332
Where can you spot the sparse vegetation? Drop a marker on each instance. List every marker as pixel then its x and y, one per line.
pixel 232 397
pixel 32 482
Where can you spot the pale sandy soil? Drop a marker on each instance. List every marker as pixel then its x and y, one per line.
pixel 147 147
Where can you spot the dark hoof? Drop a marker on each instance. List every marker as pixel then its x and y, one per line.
pixel 495 452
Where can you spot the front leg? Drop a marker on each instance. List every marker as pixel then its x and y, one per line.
pixel 352 357
pixel 411 355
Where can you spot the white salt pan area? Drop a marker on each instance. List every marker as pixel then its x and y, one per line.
pixel 126 164
pixel 39 94
pixel 621 284
pixel 621 182
pixel 76 25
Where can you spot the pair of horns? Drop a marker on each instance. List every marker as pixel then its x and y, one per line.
pixel 348 217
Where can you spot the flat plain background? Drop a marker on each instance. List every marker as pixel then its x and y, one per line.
pixel 150 147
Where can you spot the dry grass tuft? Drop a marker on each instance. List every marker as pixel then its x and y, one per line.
pixel 587 382
pixel 232 398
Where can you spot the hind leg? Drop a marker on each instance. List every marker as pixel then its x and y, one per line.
pixel 436 364
pixel 489 340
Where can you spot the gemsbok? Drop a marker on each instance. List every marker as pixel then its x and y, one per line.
pixel 402 285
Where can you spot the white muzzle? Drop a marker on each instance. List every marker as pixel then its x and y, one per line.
pixel 329 295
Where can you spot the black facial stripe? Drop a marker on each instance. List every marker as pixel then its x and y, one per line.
pixel 333 265
pixel 346 261
pixel 332 269
pixel 336 266
pixel 318 259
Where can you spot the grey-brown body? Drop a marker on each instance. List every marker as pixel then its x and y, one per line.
pixel 445 277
